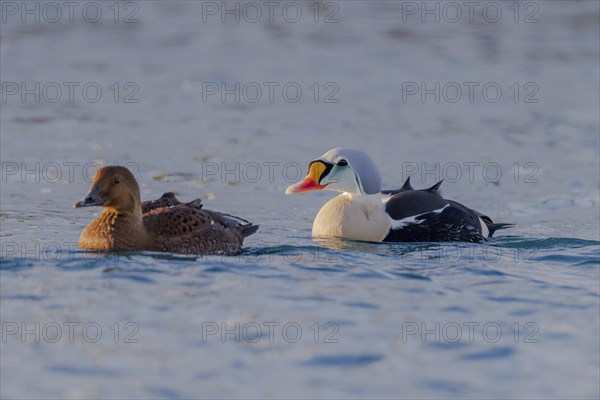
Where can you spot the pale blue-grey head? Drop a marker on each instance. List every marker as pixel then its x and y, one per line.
pixel 367 174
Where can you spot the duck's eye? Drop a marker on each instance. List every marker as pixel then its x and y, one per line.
pixel 342 163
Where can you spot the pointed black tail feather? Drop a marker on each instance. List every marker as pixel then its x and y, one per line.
pixel 494 227
pixel 246 227
pixel 249 229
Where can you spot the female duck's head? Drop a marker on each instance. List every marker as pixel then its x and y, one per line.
pixel 113 187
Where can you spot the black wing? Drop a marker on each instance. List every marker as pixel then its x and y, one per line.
pixel 424 216
pixel 411 203
pixel 492 227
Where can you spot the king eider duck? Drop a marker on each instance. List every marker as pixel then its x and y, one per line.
pixel 364 212
pixel 161 225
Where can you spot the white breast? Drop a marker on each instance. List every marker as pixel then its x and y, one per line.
pixel 352 217
pixel 485 232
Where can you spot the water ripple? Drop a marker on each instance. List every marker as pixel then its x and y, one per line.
pixel 490 354
pixel 352 360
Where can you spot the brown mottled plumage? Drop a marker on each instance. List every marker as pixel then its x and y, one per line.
pixel 165 224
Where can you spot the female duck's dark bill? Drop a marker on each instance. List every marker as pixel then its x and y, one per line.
pixel 92 199
pixel 316 171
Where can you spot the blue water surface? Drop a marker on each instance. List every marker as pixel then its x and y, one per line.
pixel 293 317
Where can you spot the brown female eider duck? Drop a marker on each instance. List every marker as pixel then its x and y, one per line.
pixel 161 225
pixel 365 212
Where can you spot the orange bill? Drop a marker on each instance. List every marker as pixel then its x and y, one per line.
pixel 311 182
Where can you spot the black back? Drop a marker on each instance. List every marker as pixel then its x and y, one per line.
pixel 431 218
